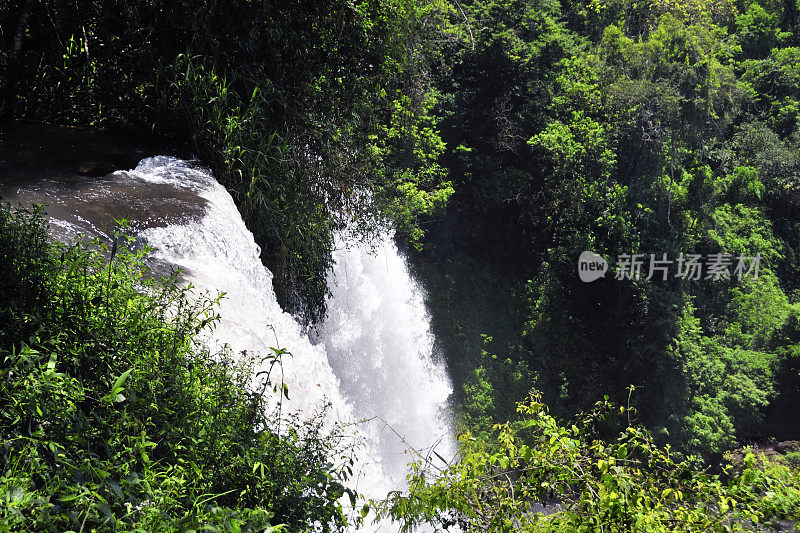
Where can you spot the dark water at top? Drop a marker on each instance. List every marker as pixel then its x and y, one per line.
pixel 78 176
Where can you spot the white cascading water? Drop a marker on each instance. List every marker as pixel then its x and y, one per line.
pixel 377 337
pixel 373 355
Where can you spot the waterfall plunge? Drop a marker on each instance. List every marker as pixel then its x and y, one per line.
pixel 373 356
pixel 379 344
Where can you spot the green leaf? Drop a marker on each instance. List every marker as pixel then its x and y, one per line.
pixel 51 364
pixel 119 384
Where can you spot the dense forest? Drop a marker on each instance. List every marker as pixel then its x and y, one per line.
pixel 625 128
pixel 501 139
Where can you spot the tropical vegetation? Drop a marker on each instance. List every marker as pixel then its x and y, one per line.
pixel 501 138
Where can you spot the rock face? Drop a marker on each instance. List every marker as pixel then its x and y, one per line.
pixel 80 178
pixel 787 446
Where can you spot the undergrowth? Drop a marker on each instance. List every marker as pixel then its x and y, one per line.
pixel 115 416
pixel 601 473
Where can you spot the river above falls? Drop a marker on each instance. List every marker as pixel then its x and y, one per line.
pixel 72 173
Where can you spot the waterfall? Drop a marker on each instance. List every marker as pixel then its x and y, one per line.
pixel 373 356
pixel 371 362
pixel 217 253
pixel 378 340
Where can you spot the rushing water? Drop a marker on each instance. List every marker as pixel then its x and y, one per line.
pixel 379 344
pixel 372 359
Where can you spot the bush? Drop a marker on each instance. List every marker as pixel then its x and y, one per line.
pixel 113 415
pixel 622 483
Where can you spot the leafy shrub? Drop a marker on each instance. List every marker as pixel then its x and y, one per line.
pixel 590 483
pixel 113 415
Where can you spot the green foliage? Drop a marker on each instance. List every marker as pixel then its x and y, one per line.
pixel 491 389
pixel 658 127
pixel 726 389
pixel 114 416
pixel 621 483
